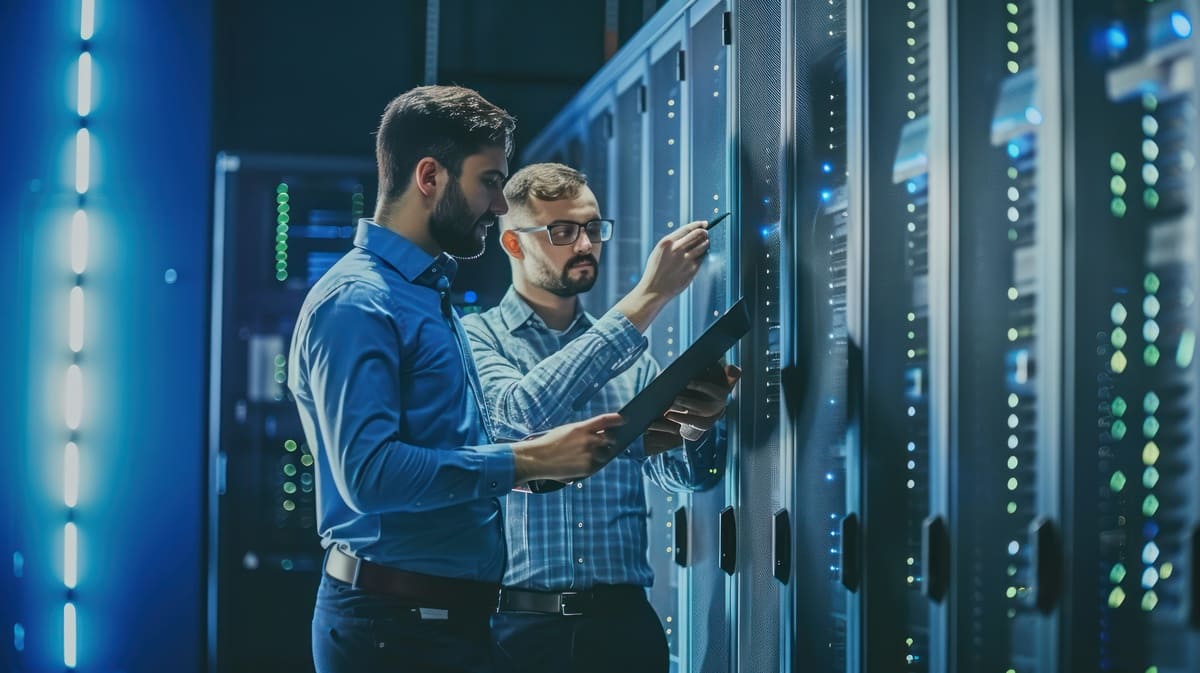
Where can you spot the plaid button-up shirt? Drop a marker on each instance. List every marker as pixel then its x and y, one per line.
pixel 535 378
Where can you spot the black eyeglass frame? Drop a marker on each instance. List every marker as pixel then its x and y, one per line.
pixel 602 235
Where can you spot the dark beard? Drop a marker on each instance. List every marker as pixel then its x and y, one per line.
pixel 453 225
pixel 565 286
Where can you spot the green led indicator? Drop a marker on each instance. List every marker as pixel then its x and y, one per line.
pixel 1118 207
pixel 1118 338
pixel 281 188
pixel 283 218
pixel 1149 601
pixel 1116 598
pixel 306 460
pixel 1151 282
pixel 1150 505
pixel 1012 507
pixel 289 487
pixel 1117 162
pixel 1118 430
pixel 282 208
pixel 1119 406
pixel 1149 102
pixel 289 506
pixel 1117 575
pixel 1150 355
pixel 1012 235
pixel 290 445
pixel 1150 198
pixel 1117 362
pixel 1150 477
pixel 281 276
pixel 1149 125
pixel 1013 173
pixel 1117 185
pixel 289 470
pixel 1012 8
pixel 1117 482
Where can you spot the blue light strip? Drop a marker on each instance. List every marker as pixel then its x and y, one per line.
pixel 73 406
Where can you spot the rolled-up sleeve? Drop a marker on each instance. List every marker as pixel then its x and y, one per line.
pixel 352 351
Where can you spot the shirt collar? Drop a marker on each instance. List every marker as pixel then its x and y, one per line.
pixel 416 265
pixel 516 313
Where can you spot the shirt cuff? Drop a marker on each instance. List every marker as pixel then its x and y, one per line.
pixel 616 329
pixel 499 470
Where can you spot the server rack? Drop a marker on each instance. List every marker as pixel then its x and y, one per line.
pixel 1131 141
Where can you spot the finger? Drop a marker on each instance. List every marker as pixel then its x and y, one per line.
pixel 601 422
pixel 680 419
pixel 687 229
pixel 708 389
pixel 663 425
pixel 697 252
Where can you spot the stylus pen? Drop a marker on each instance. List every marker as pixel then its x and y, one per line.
pixel 715 222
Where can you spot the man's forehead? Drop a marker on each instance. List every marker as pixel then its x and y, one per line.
pixel 488 159
pixel 580 208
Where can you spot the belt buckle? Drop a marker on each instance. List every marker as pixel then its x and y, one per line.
pixel 562 604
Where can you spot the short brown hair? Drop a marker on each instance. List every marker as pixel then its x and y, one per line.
pixel 545 182
pixel 448 123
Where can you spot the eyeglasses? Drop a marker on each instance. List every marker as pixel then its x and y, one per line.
pixel 562 232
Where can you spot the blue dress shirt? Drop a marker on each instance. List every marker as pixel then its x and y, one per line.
pixel 535 378
pixel 389 400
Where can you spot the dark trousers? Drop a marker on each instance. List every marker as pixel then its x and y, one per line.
pixel 618 633
pixel 364 632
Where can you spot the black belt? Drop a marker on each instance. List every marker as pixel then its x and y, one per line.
pixel 565 603
pixel 428 591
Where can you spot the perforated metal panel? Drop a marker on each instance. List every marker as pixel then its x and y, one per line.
pixel 765 230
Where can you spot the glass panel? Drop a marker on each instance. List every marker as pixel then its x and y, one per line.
pixel 1135 461
pixel 665 110
pixel 628 245
pixel 999 277
pixel 820 336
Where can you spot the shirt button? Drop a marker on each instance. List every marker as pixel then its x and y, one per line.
pixel 493 484
pixel 580 524
pixel 579 560
pixel 579 484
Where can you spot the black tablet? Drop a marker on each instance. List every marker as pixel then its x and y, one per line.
pixel 655 399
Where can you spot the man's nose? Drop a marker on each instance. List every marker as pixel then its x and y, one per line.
pixel 583 244
pixel 499 205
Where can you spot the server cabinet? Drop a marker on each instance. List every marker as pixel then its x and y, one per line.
pixel 1131 139
pixel 280 224
pixel 707 70
pixel 1004 543
pixel 823 564
pixel 904 547
pixel 762 471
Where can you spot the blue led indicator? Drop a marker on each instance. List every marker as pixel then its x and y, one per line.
pixel 765 230
pixel 1181 25
pixel 828 476
pixel 826 195
pixel 470 297
pixel 1014 150
pixel 1115 38
pixel 911 187
pixel 827 168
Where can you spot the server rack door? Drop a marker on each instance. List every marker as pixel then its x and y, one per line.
pixel 762 446
pixel 1132 148
pixel 815 385
pixel 898 453
pixel 707 76
pixel 665 108
pixel 597 166
pixel 282 222
pixel 629 237
pixel 997 432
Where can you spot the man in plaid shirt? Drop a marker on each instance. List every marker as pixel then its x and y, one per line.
pixel 574 596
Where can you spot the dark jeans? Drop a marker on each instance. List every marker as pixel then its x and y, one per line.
pixel 364 632
pixel 619 633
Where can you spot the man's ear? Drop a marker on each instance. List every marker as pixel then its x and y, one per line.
pixel 511 244
pixel 425 176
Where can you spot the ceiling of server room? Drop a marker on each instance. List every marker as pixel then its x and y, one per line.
pixel 309 77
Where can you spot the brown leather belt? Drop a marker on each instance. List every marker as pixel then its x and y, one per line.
pixel 566 603
pixel 427 591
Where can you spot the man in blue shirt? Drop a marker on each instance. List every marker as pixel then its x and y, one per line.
pixel 408 477
pixel 574 595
